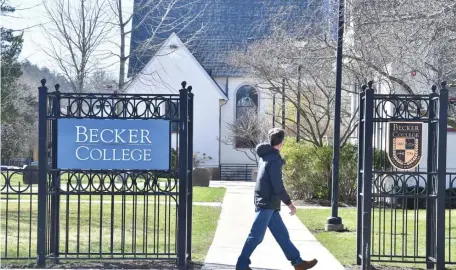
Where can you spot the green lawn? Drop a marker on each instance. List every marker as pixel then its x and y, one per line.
pixel 200 194
pixel 386 241
pixel 90 228
pixel 135 223
pixel 208 194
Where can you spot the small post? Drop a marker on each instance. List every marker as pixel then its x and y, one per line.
pixel 190 174
pixel 298 109
pixel 246 172
pixel 183 178
pixel 359 202
pixel 441 177
pixel 367 177
pixel 55 199
pixel 431 168
pixel 273 108
pixel 42 173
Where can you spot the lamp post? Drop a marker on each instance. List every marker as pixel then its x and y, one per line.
pixel 334 223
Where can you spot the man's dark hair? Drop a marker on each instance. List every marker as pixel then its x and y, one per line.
pixel 276 136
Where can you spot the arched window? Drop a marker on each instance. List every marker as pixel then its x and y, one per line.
pixel 246 101
pixel 246 110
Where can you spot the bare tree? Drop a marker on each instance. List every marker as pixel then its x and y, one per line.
pixel 100 81
pixel 159 19
pixel 246 132
pixel 75 32
pixel 393 40
pixel 404 45
pixel 304 69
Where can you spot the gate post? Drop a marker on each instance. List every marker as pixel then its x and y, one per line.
pixel 183 174
pixel 55 201
pixel 42 173
pixel 367 177
pixel 441 177
pixel 360 175
pixel 431 168
pixel 190 175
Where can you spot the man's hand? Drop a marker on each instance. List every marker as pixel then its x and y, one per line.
pixel 292 209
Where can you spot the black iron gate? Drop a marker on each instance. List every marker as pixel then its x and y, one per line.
pixel 103 214
pixel 401 213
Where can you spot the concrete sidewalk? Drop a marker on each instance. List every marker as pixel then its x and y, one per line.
pixel 234 226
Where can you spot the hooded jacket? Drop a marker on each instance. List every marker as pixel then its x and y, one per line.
pixel 269 189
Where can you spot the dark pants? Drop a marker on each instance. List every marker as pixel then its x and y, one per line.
pixel 268 218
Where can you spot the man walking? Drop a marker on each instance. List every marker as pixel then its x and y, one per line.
pixel 269 191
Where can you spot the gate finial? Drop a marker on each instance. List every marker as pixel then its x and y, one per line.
pixel 43 82
pixel 57 87
pixel 434 88
pixel 444 84
pixel 363 88
pixel 185 87
pixel 370 83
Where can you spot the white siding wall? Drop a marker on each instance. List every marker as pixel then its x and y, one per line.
pixel 164 74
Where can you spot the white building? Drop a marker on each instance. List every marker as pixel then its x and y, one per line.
pixel 214 101
pixel 222 92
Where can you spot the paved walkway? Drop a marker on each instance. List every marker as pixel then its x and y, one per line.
pixel 234 225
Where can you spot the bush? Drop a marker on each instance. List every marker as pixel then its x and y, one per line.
pixel 308 174
pixel 173 159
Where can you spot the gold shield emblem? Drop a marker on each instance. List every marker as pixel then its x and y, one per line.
pixel 405 144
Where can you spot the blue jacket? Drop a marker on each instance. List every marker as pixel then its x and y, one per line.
pixel 269 189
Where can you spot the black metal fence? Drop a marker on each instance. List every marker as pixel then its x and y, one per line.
pixel 236 172
pixel 404 216
pixel 101 214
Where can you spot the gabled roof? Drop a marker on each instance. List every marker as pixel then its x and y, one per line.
pixel 227 25
pixel 172 50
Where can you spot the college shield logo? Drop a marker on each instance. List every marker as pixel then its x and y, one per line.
pixel 405 144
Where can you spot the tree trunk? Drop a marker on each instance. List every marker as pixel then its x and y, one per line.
pixel 123 59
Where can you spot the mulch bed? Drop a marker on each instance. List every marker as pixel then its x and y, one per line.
pixel 133 264
pixel 322 202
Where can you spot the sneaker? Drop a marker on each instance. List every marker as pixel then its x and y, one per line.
pixel 306 265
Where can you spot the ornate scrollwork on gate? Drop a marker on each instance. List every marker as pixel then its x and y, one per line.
pixel 117 182
pixel 116 106
pixel 401 107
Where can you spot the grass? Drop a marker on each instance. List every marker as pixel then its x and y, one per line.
pixel 388 239
pixel 147 228
pixel 208 194
pixel 200 195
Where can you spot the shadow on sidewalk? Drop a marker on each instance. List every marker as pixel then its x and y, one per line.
pixel 222 266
